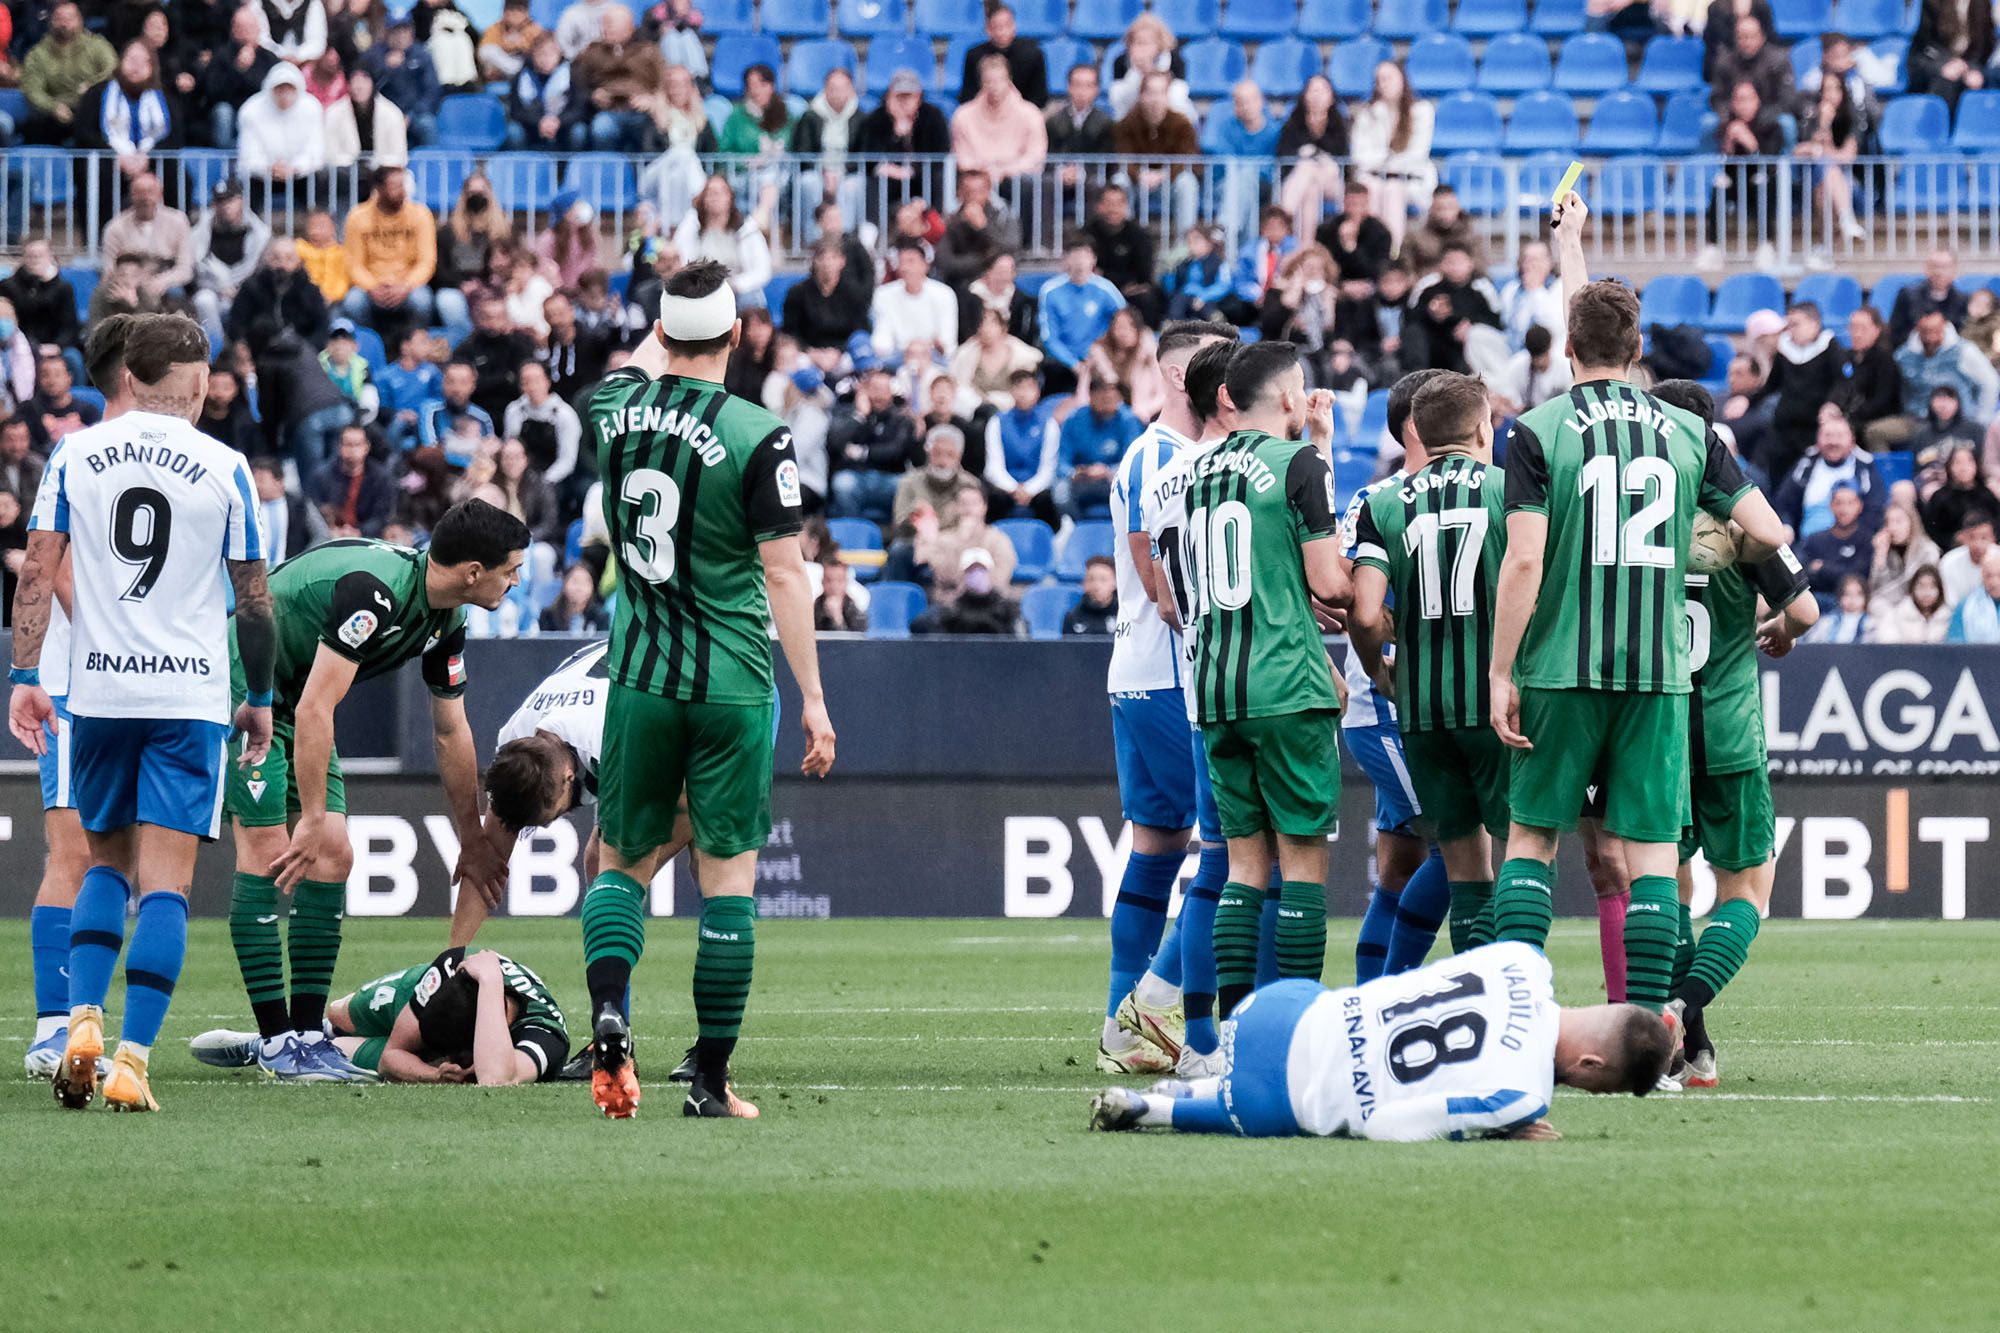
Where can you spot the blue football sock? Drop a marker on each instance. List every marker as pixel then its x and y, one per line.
pixel 96 933
pixel 1202 1115
pixel 1197 922
pixel 1426 900
pixel 1166 964
pixel 1267 932
pixel 1371 946
pixel 48 941
pixel 153 964
pixel 1137 919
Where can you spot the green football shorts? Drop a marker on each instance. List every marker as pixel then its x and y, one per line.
pixel 1280 773
pixel 1636 742
pixel 267 794
pixel 1460 776
pixel 654 747
pixel 372 1011
pixel 1733 823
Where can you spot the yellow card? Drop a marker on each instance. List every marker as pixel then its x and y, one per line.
pixel 1567 184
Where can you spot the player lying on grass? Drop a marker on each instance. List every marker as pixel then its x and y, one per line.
pixel 1469 1047
pixel 482 1019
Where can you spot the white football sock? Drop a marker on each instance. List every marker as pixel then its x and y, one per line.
pixel 145 1053
pixel 1156 992
pixel 48 1025
pixel 1116 1038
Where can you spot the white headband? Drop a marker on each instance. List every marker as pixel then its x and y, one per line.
pixel 698 318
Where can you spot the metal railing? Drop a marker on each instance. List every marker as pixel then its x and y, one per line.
pixel 1649 210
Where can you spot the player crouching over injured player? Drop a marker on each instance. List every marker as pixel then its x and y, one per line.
pixel 484 1019
pixel 1470 1047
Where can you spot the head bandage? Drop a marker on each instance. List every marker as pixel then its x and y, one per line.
pixel 698 318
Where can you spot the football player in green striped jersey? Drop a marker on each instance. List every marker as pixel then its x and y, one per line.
pixel 703 502
pixel 1589 670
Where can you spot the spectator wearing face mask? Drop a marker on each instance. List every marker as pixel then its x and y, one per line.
pixel 980 606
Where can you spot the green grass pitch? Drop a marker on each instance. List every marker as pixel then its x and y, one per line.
pixel 923 1163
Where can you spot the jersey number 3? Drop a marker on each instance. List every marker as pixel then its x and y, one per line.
pixel 649 549
pixel 142 526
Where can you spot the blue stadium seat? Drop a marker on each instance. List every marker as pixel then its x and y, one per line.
pixel 1489 18
pixel 1514 63
pixel 796 18
pixel 1801 18
pixel 1352 471
pixel 812 60
pixel 1670 65
pixel 1336 20
pixel 1923 188
pixel 1102 20
pixel 1623 122
pixel 605 179
pixel 14 105
pixel 1214 64
pixel 886 55
pixel 1404 23
pixel 871 18
pixel 1189 19
pixel 1040 19
pixel 474 122
pixel 1739 295
pixel 548 13
pixel 1044 608
pixel 1480 179
pixel 1915 125
pixel 951 18
pixel 1868 19
pixel 857 534
pixel 1541 123
pixel 1034 547
pixel 1720 351
pixel 1258 20
pixel 1680 123
pixel 738 51
pixel 368 346
pixel 1374 420
pixel 1978 129
pixel 45 173
pixel 1466 123
pixel 1086 539
pixel 83 393
pixel 1439 63
pixel 202 169
pixel 1688 190
pixel 892 605
pixel 1673 298
pixel 1281 68
pixel 720 16
pixel 1351 67
pixel 436 177
pixel 1558 18
pixel 1836 294
pixel 1885 291
pixel 1894 465
pixel 1591 63
pixel 83 285
pixel 1805 59
pixel 1627 189
pixel 525 182
pixel 1061 55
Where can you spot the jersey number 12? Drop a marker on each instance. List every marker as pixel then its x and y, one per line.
pixel 1636 541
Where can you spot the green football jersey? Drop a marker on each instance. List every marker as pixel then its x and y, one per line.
pixel 1438 537
pixel 365 600
pixel 694 479
pixel 1619 475
pixel 538 1028
pixel 372 1012
pixel 1253 502
pixel 1726 715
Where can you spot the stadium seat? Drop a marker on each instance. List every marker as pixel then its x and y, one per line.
pixel 1673 298
pixel 1805 59
pixel 83 284
pixel 1536 176
pixel 1915 126
pixel 1836 294
pixel 474 122
pixel 1720 352
pixel 1351 67
pixel 202 169
pixel 14 105
pixel 1670 65
pixel 892 605
pixel 796 18
pixel 1923 188
pixel 1680 123
pixel 1894 52
pixel 1688 190
pixel 1796 19
pixel 45 172
pixel 1406 23
pixel 1738 296
pixel 1627 189
pixel 1466 123
pixel 812 60
pixel 1281 68
pixel 1489 18
pixel 738 51
pixel 872 18
pixel 605 179
pixel 1558 18
pixel 1592 63
pixel 1623 122
pixel 1189 19
pixel 1886 289
pixel 1034 547
pixel 1086 539
pixel 436 177
pixel 1040 19
pixel 1352 471
pixel 1514 63
pixel 1978 128
pixel 548 13
pixel 1336 20
pixel 720 16
pixel 1374 421
pixel 525 182
pixel 1060 54
pixel 1867 20
pixel 368 346
pixel 1102 20
pixel 1258 20
pixel 857 534
pixel 1480 179
pixel 83 393
pixel 951 18
pixel 1894 465
pixel 1044 608
pixel 1439 63
pixel 1541 123
pixel 1214 64
pixel 886 55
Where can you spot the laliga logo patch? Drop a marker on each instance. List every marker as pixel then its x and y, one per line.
pixel 358 628
pixel 788 482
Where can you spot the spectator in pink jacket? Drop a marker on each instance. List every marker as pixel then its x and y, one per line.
pixel 999 132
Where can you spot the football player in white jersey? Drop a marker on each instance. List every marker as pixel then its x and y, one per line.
pixel 153 511
pixel 1143 1018
pixel 68 853
pixel 1469 1047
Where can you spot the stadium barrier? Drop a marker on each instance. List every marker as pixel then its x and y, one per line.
pixel 975 780
pixel 1650 210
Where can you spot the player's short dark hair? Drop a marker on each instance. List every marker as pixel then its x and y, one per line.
pixel 104 351
pixel 1604 325
pixel 701 278
pixel 525 786
pixel 1806 308
pixel 267 464
pixel 1022 375
pixel 1103 560
pixel 1448 410
pixel 474 530
pixel 1274 213
pixel 1255 368
pixel 1401 395
pixel 1180 334
pixel 1688 396
pixel 1205 374
pixel 1537 340
pixel 156 344
pixel 1639 1050
pixel 446 1005
pixel 382 175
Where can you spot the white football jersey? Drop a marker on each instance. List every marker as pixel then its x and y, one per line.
pixel 55 651
pixel 1459 1048
pixel 1143 652
pixel 570 706
pixel 1365 705
pixel 1164 509
pixel 153 508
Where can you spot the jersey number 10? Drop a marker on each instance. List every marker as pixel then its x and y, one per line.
pixel 1216 547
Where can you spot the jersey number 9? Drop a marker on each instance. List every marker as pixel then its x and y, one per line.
pixel 142 526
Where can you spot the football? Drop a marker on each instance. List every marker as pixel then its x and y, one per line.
pixel 1711 546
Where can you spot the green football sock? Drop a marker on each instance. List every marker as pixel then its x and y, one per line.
pixel 260 957
pixel 312 944
pixel 1524 901
pixel 614 937
pixel 1468 905
pixel 1725 943
pixel 723 960
pixel 1238 918
pixel 1683 946
pixel 1301 932
pixel 1652 923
